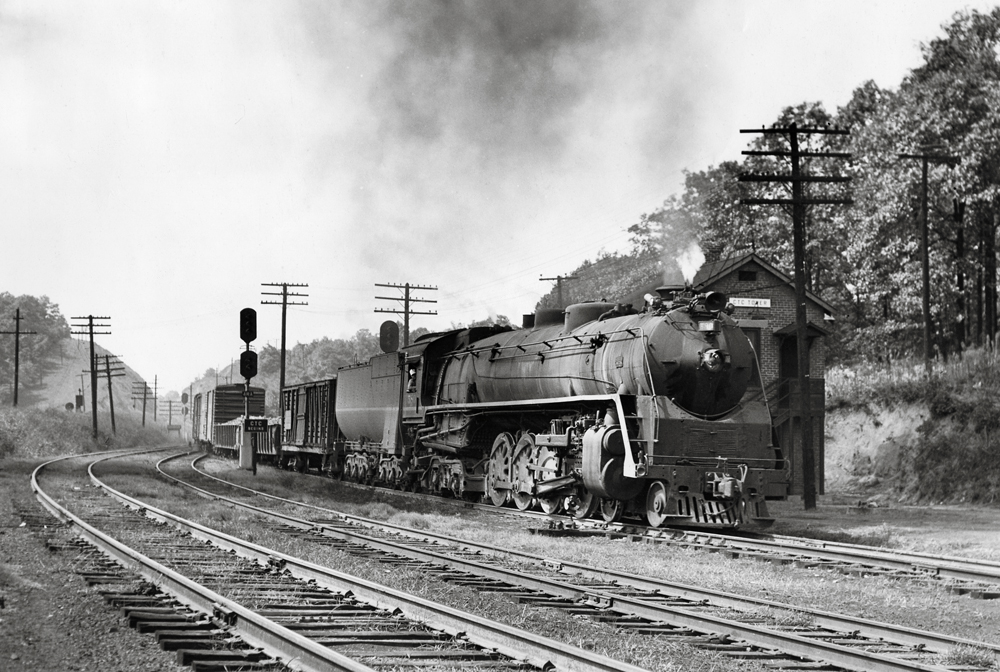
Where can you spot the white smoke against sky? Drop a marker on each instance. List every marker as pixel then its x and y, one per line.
pixel 679 238
pixel 690 260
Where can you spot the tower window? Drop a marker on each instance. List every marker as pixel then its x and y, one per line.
pixel 748 276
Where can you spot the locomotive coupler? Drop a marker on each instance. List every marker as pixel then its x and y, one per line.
pixel 722 486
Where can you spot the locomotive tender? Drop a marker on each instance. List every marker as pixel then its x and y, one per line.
pixel 585 410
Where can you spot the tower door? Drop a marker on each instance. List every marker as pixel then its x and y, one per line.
pixel 788 363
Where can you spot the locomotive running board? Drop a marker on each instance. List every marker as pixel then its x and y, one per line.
pixel 629 469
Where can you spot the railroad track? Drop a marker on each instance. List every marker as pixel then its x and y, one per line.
pixel 222 601
pixel 977 579
pixel 774 634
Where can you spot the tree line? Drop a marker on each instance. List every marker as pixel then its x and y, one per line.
pixel 864 259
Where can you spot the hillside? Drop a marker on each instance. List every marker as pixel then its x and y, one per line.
pixel 64 379
pixel 893 434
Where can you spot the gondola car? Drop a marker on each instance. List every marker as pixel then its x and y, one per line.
pixel 218 412
pixel 311 437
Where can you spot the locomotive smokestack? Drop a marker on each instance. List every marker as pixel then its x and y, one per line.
pixel 667 292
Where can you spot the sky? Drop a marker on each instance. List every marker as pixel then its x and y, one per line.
pixel 162 162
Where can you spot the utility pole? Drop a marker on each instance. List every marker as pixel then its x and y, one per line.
pixel 799 202
pixel 90 326
pixel 116 372
pixel 17 348
pixel 407 300
pixel 140 390
pixel 284 310
pixel 559 280
pixel 925 263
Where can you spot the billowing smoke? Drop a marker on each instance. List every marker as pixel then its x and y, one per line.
pixel 681 255
pixel 488 130
pixel 690 260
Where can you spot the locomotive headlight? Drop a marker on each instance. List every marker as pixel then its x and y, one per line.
pixel 712 360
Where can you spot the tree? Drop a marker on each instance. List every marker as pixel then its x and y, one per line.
pixel 953 103
pixel 609 278
pixel 39 351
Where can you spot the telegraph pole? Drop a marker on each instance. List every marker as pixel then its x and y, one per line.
pixel 116 372
pixel 559 280
pixel 284 294
pixel 407 300
pixel 799 202
pixel 925 263
pixel 140 390
pixel 90 326
pixel 17 348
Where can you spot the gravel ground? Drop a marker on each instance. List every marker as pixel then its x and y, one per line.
pixel 49 618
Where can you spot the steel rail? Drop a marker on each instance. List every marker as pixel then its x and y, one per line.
pixel 939 566
pixel 950 563
pixel 275 640
pixel 520 645
pixel 786 642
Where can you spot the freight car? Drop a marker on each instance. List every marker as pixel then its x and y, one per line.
pixel 217 417
pixel 595 408
pixel 310 437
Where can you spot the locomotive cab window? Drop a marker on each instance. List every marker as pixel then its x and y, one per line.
pixel 412 370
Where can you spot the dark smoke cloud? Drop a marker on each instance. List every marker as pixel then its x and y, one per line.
pixel 480 116
pixel 503 76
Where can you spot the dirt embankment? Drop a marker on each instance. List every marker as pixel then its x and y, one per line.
pixel 945 451
pixel 867 449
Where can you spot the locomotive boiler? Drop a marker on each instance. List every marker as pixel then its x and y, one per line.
pixel 594 408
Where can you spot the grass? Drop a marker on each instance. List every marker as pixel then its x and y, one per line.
pixel 34 433
pixel 906 379
pixel 970 656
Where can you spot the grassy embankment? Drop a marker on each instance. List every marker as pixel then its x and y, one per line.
pixel 33 433
pixel 947 445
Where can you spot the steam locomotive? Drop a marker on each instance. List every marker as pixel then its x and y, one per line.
pixel 595 409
